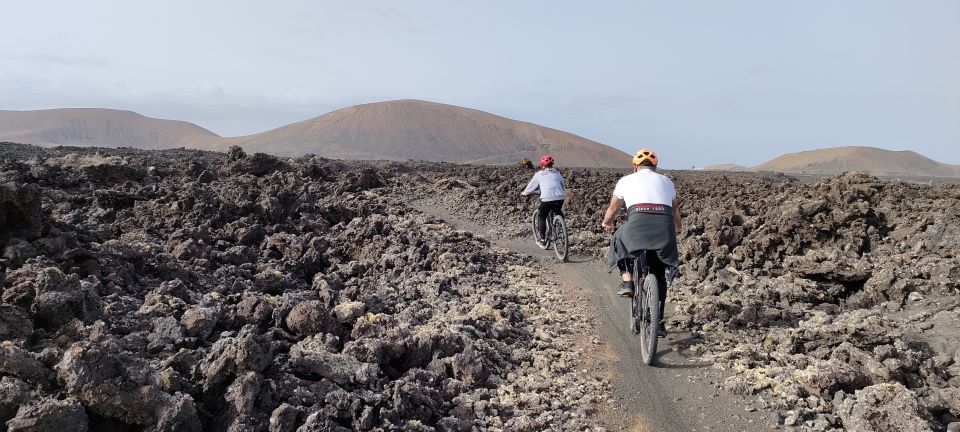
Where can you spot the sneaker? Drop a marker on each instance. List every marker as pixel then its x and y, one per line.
pixel 662 330
pixel 626 289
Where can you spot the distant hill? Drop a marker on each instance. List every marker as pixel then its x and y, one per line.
pixel 871 160
pixel 413 129
pixel 396 130
pixel 726 167
pixel 99 127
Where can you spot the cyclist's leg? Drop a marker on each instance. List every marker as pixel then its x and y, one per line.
pixel 545 209
pixel 626 273
pixel 626 269
pixel 557 208
pixel 542 218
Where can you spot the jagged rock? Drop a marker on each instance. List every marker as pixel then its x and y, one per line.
pixel 20 213
pixel 179 415
pixel 114 199
pixel 112 383
pixel 251 235
pixel 206 177
pixel 61 298
pixel 13 393
pixel 24 365
pixel 187 250
pixel 14 322
pixel 166 300
pixel 166 333
pixel 50 415
pixel 349 311
pixel 824 377
pixel 234 355
pixel 310 357
pixel 951 399
pixel 259 164
pixel 199 322
pixel 366 178
pixel 308 318
pixel 284 418
pixel 18 251
pixel 255 309
pixel 242 396
pixel 469 368
pixel 130 250
pixel 883 407
pixel 235 153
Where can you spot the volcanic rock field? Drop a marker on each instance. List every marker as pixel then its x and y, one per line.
pixel 184 291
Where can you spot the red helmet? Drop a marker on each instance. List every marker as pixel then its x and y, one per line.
pixel 546 161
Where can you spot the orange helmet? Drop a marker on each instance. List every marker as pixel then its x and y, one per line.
pixel 643 155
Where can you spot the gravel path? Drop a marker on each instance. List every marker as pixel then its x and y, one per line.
pixel 676 395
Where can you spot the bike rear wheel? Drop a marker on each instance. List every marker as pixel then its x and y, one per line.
pixel 646 320
pixel 561 247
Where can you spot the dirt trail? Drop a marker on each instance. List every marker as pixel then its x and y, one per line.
pixel 676 395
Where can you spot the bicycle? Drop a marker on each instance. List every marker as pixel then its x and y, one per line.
pixel 645 306
pixel 555 234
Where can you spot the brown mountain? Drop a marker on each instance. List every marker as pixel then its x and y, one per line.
pixel 871 160
pixel 99 127
pixel 413 129
pixel 726 167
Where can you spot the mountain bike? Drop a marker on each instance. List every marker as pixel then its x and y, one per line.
pixel 556 233
pixel 645 306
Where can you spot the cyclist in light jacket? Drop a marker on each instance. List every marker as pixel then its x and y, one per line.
pixel 552 191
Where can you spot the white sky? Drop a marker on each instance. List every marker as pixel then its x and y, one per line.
pixel 701 82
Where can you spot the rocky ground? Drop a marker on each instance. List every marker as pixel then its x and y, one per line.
pixel 182 290
pixel 187 291
pixel 835 301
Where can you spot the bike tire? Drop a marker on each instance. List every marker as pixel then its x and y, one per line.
pixel 636 305
pixel 541 243
pixel 561 245
pixel 649 297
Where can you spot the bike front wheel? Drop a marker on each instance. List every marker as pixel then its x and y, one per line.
pixel 648 317
pixel 561 246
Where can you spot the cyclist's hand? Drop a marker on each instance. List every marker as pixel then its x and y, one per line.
pixel 607 226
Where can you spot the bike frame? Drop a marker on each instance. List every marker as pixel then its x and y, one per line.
pixel 640 267
pixel 550 233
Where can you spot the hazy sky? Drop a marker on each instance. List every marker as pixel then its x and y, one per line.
pixel 701 82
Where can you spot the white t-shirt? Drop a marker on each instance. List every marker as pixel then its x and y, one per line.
pixel 645 187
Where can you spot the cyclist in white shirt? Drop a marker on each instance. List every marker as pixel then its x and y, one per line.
pixel 653 222
pixel 552 191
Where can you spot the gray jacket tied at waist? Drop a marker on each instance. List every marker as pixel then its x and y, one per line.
pixel 646 230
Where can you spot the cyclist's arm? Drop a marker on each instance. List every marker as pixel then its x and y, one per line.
pixel 612 209
pixel 532 186
pixel 676 214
